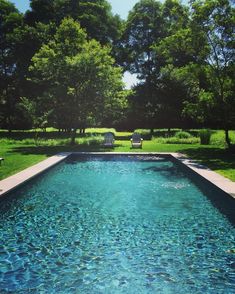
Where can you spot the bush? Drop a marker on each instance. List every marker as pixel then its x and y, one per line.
pixel 142 131
pixel 205 136
pixel 183 135
pixel 175 140
pixel 90 141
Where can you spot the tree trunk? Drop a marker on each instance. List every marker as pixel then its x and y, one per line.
pixel 82 130
pixel 168 134
pixel 9 125
pixel 227 139
pixel 73 136
pixel 36 138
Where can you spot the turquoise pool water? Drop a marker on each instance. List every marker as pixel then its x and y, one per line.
pixel 115 226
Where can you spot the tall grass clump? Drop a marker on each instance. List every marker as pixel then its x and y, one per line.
pixel 142 131
pixel 180 137
pixel 93 140
pixel 174 140
pixel 205 136
pixel 53 142
pixel 183 135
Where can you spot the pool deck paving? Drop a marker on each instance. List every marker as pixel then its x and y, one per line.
pixel 219 181
pixel 22 177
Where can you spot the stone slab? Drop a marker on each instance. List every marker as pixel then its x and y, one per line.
pixel 20 178
pixel 219 181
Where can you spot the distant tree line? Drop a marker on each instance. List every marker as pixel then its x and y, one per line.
pixel 61 65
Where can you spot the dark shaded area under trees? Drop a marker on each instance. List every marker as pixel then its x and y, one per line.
pixel 182 55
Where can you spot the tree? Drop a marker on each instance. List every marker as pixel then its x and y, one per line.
pixel 10 19
pixel 147 42
pixel 81 79
pixel 94 16
pixel 27 41
pixel 37 113
pixel 175 15
pixel 41 11
pixel 180 57
pixel 214 21
pixel 144 27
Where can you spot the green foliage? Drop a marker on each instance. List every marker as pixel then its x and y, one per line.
pixel 144 27
pixel 90 141
pixel 177 49
pixel 82 81
pixel 205 136
pixel 176 140
pixel 95 131
pixel 142 132
pixel 158 98
pixel 38 117
pixel 179 137
pixel 94 16
pixel 10 19
pixel 183 56
pixel 218 138
pixel 183 135
pixel 214 21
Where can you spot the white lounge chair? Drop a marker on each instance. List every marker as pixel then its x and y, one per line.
pixel 109 140
pixel 136 141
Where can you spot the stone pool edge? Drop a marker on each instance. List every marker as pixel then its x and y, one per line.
pixel 22 177
pixel 18 179
pixel 207 174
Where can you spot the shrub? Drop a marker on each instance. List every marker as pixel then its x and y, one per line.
pixel 183 135
pixel 90 141
pixel 142 131
pixel 205 136
pixel 175 140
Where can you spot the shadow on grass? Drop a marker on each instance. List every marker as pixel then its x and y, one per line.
pixel 147 137
pixel 31 135
pixel 52 150
pixel 215 158
pixel 60 135
pixel 44 135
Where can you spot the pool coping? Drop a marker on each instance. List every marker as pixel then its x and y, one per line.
pixel 22 177
pixel 18 179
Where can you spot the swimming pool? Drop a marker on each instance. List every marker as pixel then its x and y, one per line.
pixel 115 225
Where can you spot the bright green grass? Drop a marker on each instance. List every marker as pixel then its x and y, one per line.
pixel 20 151
pixel 16 161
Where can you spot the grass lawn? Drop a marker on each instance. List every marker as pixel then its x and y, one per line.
pixel 20 151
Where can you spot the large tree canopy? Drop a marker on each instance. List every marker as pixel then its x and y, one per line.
pixel 80 77
pixel 10 19
pixel 94 16
pixel 185 60
pixel 214 21
pixel 148 27
pixel 144 27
